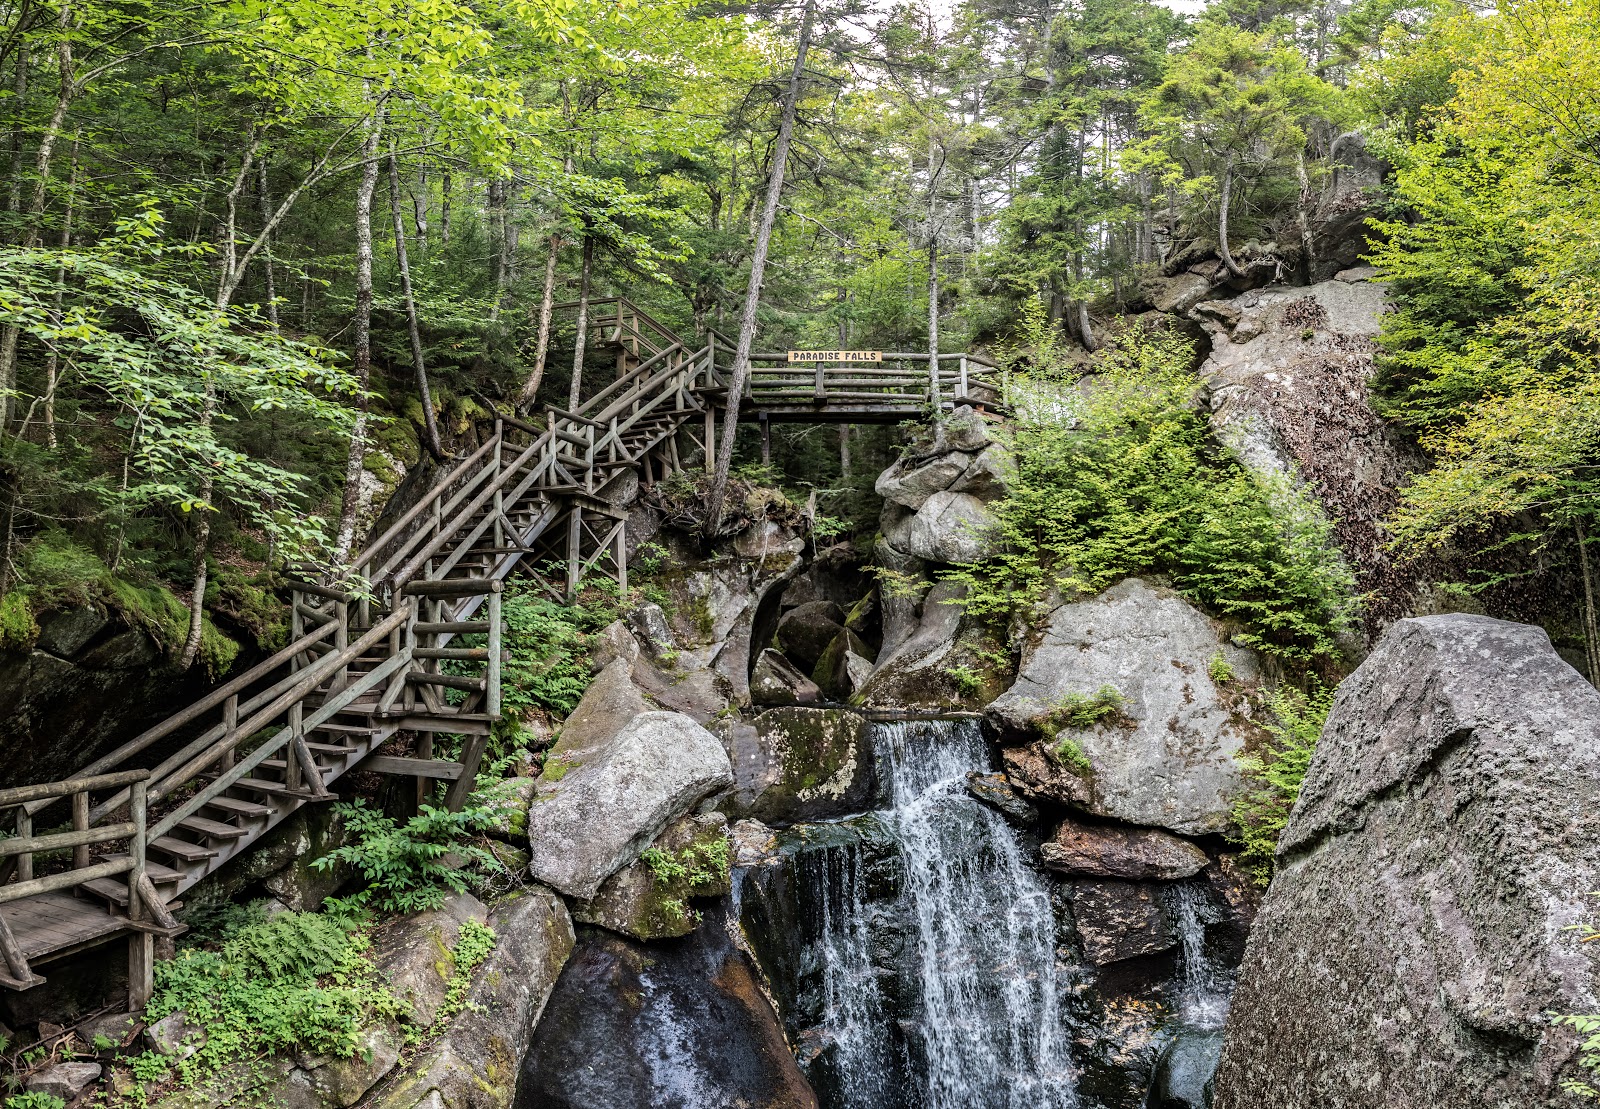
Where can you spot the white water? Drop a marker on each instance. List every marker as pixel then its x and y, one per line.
pixel 989 1034
pixel 1206 989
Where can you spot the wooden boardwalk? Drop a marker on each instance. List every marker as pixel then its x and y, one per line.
pixel 404 640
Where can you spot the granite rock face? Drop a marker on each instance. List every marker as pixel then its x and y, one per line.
pixel 1447 837
pixel 600 804
pixel 1168 760
pixel 797 763
pixel 1109 852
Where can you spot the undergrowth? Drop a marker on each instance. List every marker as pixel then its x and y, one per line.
pixel 408 867
pixel 1273 776
pixel 1118 475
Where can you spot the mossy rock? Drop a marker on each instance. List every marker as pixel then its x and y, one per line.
pixel 651 898
pixel 799 764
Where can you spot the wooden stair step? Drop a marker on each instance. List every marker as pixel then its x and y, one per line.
pixel 216 829
pixel 240 808
pixel 116 891
pixel 261 785
pixel 345 729
pixel 183 849
pixel 335 749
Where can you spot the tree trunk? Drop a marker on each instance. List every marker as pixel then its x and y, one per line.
pixel 419 209
pixel 530 388
pixel 265 199
pixel 362 360
pixel 1308 244
pixel 444 207
pixel 575 394
pixel 52 367
pixel 19 106
pixel 933 315
pixel 1224 201
pixel 758 266
pixel 430 427
pixel 497 232
pixel 1591 622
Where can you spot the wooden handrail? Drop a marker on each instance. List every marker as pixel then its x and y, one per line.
pixel 411 514
pixel 19 795
pixel 626 379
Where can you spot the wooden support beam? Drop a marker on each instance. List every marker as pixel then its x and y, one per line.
pixel 437 769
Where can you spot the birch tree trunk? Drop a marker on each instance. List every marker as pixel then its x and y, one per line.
pixel 430 426
pixel 530 388
pixel 362 360
pixel 576 392
pixel 758 267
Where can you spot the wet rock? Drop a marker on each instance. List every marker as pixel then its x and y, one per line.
pixel 65 632
pixel 599 805
pixel 638 901
pixel 475 1065
pixel 1035 773
pixel 996 792
pixel 804 632
pixel 1183 1074
pixel 1167 759
pixel 1120 920
pixel 1417 933
pixel 946 662
pixel 753 844
pixel 911 483
pixel 798 764
pixel 899 594
pixel 1134 853
pixel 949 527
pixel 415 953
pixel 775 681
pixel 678 1025
pixel 64 1080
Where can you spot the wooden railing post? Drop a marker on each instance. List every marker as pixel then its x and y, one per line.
pixel 297 626
pixel 965 392
pixel 492 691
pixel 24 831
pixel 141 944
pixel 230 725
pixel 80 823
pixel 574 550
pixel 291 764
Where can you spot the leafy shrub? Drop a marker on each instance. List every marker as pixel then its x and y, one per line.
pixel 1083 710
pixel 472 948
pixel 299 980
pixel 34 1100
pixel 1219 669
pixel 405 865
pixel 1273 776
pixel 1117 475
pixel 1069 754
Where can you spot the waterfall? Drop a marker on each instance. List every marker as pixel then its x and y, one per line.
pixel 1205 987
pixel 978 1014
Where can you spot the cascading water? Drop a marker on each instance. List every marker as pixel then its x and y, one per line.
pixel 979 1022
pixel 1206 988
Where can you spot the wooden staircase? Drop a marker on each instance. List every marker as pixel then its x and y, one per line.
pixel 381 648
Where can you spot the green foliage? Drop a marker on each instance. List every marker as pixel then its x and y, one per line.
pixel 34 1100
pixel 1219 669
pixel 18 628
pixel 1119 476
pixel 699 864
pixel 1066 751
pixel 472 947
pixel 406 865
pixel 1083 710
pixel 967 681
pixel 549 646
pixel 299 981
pixel 1274 773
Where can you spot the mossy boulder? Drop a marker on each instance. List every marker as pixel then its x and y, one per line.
pixel 650 899
pixel 799 764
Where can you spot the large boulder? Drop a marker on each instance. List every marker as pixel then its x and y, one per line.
pixel 599 804
pixel 1417 935
pixel 774 680
pixel 681 1025
pixel 1289 374
pixel 1110 852
pixel 800 764
pixel 946 662
pixel 1166 759
pixel 475 1064
pixel 416 953
pixel 949 527
pixel 650 899
pixel 805 631
pixel 911 482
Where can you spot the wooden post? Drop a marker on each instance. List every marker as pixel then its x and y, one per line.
pixel 766 440
pixel 622 554
pixel 492 692
pixel 574 550
pixel 291 764
pixel 711 438
pixel 24 831
pixel 819 389
pixel 297 627
pixel 500 538
pixel 80 823
pixel 341 640
pixel 141 945
pixel 230 724
pixel 964 391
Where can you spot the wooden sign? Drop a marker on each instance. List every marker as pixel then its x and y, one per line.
pixel 836 356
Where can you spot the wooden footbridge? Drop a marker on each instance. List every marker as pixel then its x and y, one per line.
pixel 404 644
